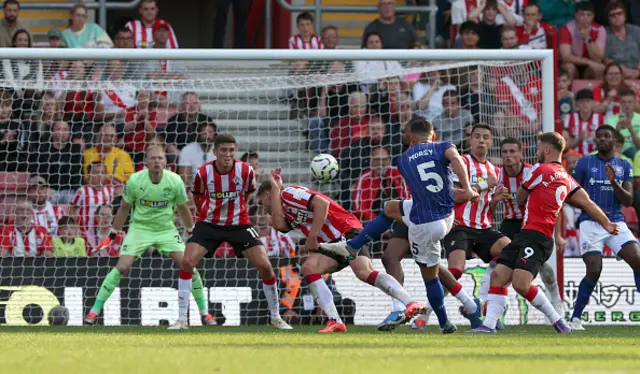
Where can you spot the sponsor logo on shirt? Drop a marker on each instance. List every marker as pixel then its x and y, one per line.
pixel 225 195
pixel 154 204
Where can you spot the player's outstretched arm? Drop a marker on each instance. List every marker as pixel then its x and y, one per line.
pixel 580 199
pixel 458 167
pixel 277 213
pixel 185 216
pixel 118 222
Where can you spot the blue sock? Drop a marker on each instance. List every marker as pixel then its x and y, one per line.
pixel 435 294
pixel 584 293
pixel 636 276
pixel 371 231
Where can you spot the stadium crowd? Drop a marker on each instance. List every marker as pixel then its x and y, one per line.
pixel 65 155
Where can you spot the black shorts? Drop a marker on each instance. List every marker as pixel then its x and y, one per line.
pixel 472 241
pixel 211 236
pixel 511 227
pixel 529 251
pixel 400 230
pixel 342 261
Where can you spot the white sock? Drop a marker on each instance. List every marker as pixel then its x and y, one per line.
pixel 495 308
pixel 389 285
pixel 550 282
pixel 271 293
pixel 396 305
pixel 541 303
pixel 486 282
pixel 324 298
pixel 468 302
pixel 184 291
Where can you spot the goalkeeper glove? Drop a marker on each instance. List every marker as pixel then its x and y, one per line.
pixel 105 243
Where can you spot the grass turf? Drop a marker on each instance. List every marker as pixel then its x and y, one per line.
pixel 518 350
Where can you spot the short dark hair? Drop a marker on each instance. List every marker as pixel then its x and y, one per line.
pixel 511 140
pixel 532 5
pixel 329 27
pixel 18 32
pixel 247 155
pixel 553 139
pixel 481 125
pixel 420 125
pixel 562 72
pixel 606 128
pixel 469 26
pixel 66 221
pixel 264 187
pixel 616 5
pixel 94 164
pixel 202 125
pixel 620 139
pixel 118 29
pixel 451 94
pixel 225 138
pixel 626 92
pixel 367 36
pixel 585 6
pixel 304 16
pixel 10 2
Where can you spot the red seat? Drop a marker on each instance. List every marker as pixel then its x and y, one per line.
pixel 13 183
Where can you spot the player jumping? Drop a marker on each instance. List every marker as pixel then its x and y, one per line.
pixel 429 216
pixel 154 193
pixel 544 191
pixel 220 190
pixel 323 220
pixel 608 180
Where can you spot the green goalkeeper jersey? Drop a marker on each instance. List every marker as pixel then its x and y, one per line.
pixel 154 203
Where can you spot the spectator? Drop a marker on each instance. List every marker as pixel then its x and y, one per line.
pixel 469 35
pixel 70 243
pixel 198 153
pixel 395 32
pixel 488 27
pixel 429 91
pixel 533 33
pixel 565 96
pixel 81 34
pixel 627 122
pixel 54 38
pixel 623 41
pixel 88 199
pixel 327 105
pixel 45 214
pixel 10 23
pixel 470 94
pixel 353 126
pixel 104 217
pixel 113 102
pixel 123 37
pixel 305 38
pixel 509 38
pixel 22 238
pixel 59 162
pixel 607 94
pixel 368 72
pixel 118 163
pixel 582 44
pixel 11 157
pixel 451 123
pixel 241 9
pixel 378 184
pixel 582 124
pixel 144 28
pixel 557 13
pixel 15 71
pixel 253 159
pixel 384 99
pixel 163 69
pixel 182 128
pixel 79 104
pixel 133 69
pixel 276 243
pixel 40 125
pixel 140 125
pixel 329 37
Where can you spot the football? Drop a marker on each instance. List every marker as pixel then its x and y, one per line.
pixel 59 316
pixel 324 167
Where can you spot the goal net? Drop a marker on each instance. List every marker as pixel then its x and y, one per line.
pixel 75 124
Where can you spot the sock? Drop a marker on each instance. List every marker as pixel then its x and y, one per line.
pixel 389 285
pixel 636 276
pixel 184 290
pixel 270 290
pixel 496 302
pixel 323 296
pixel 550 282
pixel 540 302
pixel 371 231
pixel 106 289
pixel 462 296
pixel 396 305
pixel 584 293
pixel 457 273
pixel 486 282
pixel 435 294
pixel 198 293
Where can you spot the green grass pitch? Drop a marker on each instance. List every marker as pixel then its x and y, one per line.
pixel 262 350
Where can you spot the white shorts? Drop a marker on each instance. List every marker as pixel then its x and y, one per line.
pixel 425 238
pixel 594 237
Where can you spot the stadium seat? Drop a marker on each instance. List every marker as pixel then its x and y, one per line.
pixel 13 183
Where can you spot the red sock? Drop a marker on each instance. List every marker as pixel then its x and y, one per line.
pixel 455 289
pixel 269 282
pixel 185 275
pixel 498 290
pixel 457 273
pixel 312 278
pixel 371 279
pixel 533 291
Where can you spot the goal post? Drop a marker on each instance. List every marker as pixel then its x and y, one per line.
pixel 283 107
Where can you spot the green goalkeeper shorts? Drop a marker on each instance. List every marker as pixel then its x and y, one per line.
pixel 138 241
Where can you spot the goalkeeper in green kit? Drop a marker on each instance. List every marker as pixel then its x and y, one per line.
pixel 154 193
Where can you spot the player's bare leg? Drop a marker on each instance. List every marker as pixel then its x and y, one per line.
pixel 192 255
pixel 552 291
pixel 197 291
pixel 257 255
pixel 522 283
pixel 109 284
pixel 449 278
pixel 312 269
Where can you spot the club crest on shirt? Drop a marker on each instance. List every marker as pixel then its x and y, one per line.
pixel 166 192
pixel 619 171
pixel 237 180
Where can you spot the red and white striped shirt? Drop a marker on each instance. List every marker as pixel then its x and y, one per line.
pixel 477 215
pixel 511 208
pixel 33 243
pixel 222 196
pixel 576 126
pixel 143 36
pixel 522 98
pixel 48 217
pixel 88 200
pixel 536 38
pixel 279 244
pixel 296 204
pixel 297 42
